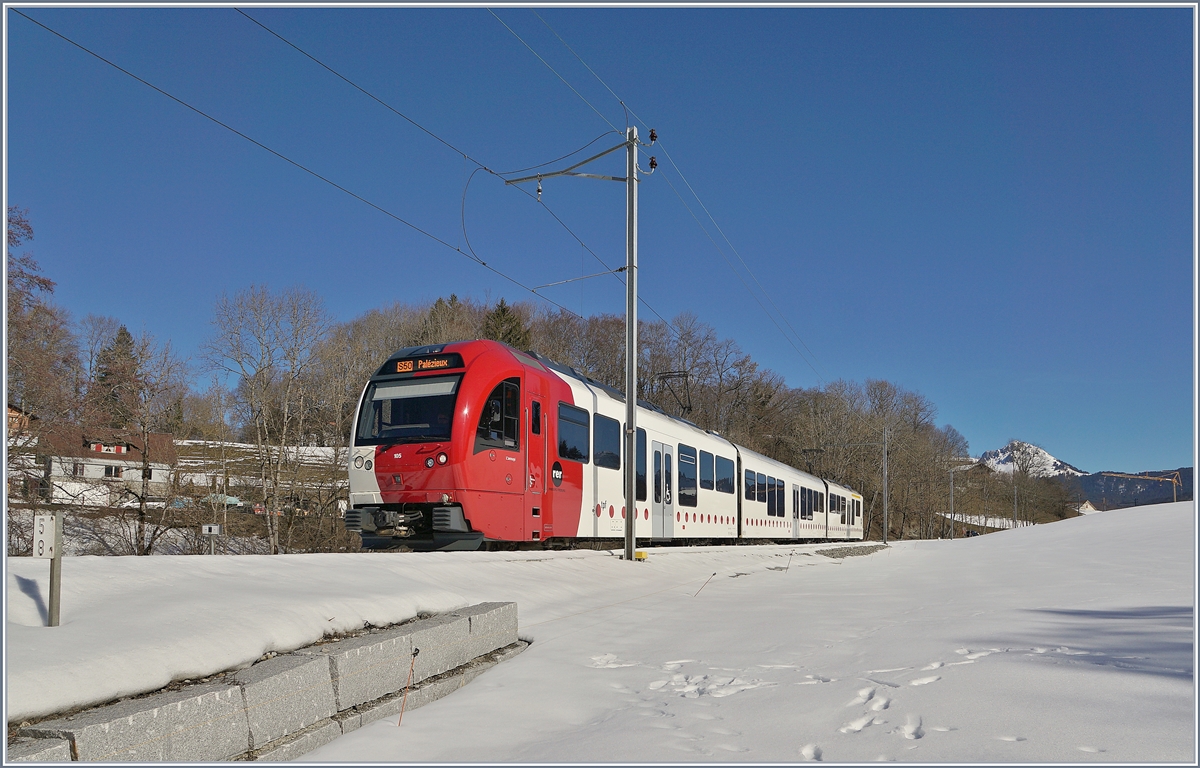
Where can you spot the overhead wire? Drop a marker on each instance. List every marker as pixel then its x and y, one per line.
pixel 290 161
pixel 480 165
pixel 812 363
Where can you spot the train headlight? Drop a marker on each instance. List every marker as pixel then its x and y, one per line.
pixel 358 462
pixel 368 465
pixel 442 458
pixel 429 462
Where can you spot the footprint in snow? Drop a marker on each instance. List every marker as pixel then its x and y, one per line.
pixel 924 680
pixel 855 726
pixel 814 679
pixel 911 728
pixel 1011 738
pixel 979 654
pixel 864 695
pixel 932 665
pixel 811 752
pixel 880 703
pixel 610 661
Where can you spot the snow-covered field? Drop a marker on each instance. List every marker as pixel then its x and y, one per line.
pixel 1067 642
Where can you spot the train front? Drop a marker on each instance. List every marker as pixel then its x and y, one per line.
pixel 407 448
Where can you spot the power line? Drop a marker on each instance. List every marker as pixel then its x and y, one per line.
pixel 481 166
pixel 560 77
pixel 698 200
pixel 294 163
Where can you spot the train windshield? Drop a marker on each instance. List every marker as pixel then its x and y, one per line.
pixel 407 411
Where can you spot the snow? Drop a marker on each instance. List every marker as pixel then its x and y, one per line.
pixel 1069 642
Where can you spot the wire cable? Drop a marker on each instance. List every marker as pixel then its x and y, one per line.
pixel 560 77
pixel 291 162
pixel 479 164
pixel 811 364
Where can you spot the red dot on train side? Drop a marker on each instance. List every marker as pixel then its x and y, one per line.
pixel 611 512
pixel 677 517
pixel 646 514
pixel 622 513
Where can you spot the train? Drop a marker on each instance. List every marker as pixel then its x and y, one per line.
pixel 476 444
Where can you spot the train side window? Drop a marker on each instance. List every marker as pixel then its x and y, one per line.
pixel 706 470
pixel 607 442
pixel 750 492
pixel 640 482
pixel 658 477
pixel 820 502
pixel 500 421
pixel 536 418
pixel 725 475
pixel 572 433
pixel 795 501
pixel 771 496
pixel 687 475
pixel 761 487
pixel 780 497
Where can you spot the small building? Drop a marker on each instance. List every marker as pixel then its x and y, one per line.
pixel 103 467
pixel 1085 508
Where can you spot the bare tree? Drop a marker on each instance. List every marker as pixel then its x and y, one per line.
pixel 268 341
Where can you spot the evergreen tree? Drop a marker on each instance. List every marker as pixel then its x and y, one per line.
pixel 504 325
pixel 115 389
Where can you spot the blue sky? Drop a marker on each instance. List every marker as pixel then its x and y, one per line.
pixel 990 206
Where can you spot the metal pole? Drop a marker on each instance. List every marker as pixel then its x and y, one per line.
pixel 885 484
pixel 631 352
pixel 951 504
pixel 56 570
pixel 1014 498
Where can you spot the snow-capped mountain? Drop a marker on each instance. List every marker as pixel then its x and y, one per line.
pixel 1030 458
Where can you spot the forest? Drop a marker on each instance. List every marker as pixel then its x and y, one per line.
pixel 278 377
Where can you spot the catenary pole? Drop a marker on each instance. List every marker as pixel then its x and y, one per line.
pixel 631 205
pixel 885 484
pixel 631 352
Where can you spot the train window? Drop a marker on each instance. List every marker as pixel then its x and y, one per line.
pixel 500 421
pixel 725 475
pixel 795 501
pixel 536 418
pixel 572 433
pixel 751 494
pixel 667 479
pixel 641 465
pixel 687 476
pixel 821 502
pixel 761 487
pixel 658 477
pixel 780 497
pixel 607 442
pixel 706 470
pixel 408 411
pixel 771 496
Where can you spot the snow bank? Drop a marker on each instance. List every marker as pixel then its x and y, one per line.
pixel 1071 641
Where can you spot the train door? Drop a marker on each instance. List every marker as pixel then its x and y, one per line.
pixel 662 507
pixel 536 497
pixel 795 511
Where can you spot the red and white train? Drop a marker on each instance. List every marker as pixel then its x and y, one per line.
pixel 460 445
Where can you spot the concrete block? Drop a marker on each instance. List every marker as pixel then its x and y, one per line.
pixel 350 720
pixel 389 706
pixel 367 667
pixel 286 694
pixel 199 723
pixel 493 625
pixel 444 642
pixel 299 743
pixel 39 751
